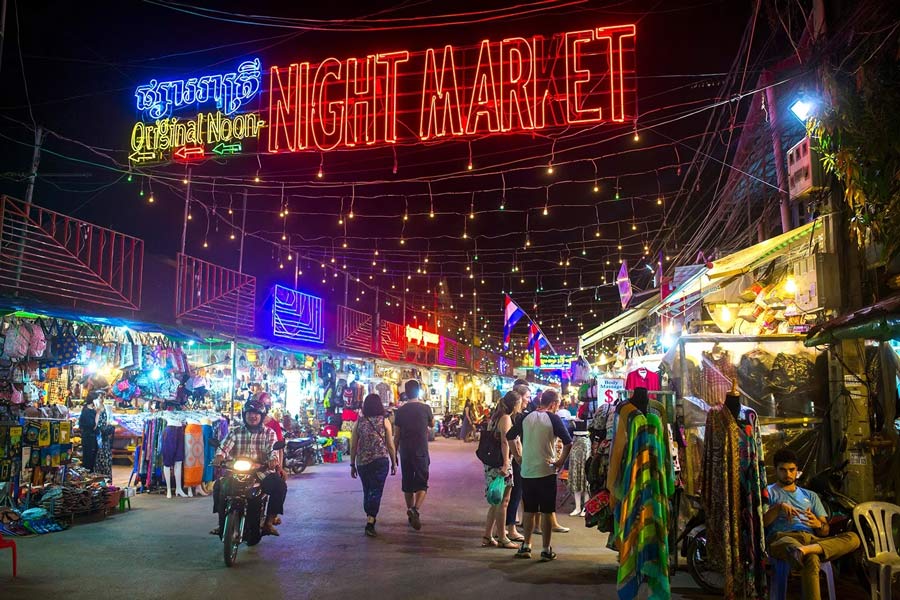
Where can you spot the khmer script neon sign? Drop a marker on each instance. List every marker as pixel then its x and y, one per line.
pixel 229 91
pixel 515 85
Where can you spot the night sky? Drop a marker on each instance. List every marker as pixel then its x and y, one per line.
pixel 82 62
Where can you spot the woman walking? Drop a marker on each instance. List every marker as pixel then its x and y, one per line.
pixel 372 452
pixel 467 430
pixel 500 423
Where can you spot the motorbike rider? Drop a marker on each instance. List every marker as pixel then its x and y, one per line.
pixel 252 441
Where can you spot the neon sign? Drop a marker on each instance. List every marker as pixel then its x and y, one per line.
pixel 297 316
pixel 230 91
pixel 515 85
pixel 152 140
pixel 421 337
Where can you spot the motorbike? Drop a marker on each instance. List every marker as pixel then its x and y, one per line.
pixel 245 505
pixel 693 547
pixel 300 453
pixel 450 425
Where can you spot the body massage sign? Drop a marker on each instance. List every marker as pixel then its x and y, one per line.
pixel 513 85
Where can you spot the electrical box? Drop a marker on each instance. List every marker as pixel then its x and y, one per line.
pixel 805 172
pixel 816 276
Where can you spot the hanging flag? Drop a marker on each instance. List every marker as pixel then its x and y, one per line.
pixel 624 283
pixel 536 341
pixel 511 315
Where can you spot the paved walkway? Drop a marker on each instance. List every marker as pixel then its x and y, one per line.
pixel 161 549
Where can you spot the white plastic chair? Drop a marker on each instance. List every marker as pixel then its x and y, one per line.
pixel 878 539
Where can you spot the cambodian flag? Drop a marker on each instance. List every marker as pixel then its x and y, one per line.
pixel 511 315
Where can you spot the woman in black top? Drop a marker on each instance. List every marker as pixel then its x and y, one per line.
pixel 87 423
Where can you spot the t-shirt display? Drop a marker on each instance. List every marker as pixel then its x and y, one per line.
pixel 644 378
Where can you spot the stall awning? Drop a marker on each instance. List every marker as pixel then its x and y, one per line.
pixel 880 321
pixel 621 322
pixel 714 278
pixel 748 259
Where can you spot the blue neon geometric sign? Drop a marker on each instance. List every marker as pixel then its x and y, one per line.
pixel 297 316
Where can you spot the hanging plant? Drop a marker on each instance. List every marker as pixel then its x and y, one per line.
pixel 858 137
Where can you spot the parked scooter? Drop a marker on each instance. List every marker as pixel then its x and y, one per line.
pixel 301 453
pixel 245 505
pixel 450 425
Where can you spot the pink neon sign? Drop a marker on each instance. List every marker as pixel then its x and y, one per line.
pixel 514 85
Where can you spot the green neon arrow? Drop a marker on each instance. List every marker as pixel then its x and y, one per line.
pixel 223 148
pixel 142 156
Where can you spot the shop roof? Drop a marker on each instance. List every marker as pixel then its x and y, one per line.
pixel 880 321
pixel 619 323
pixel 713 278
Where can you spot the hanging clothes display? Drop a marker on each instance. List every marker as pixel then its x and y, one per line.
pixel 733 489
pixel 641 482
pixel 642 377
pixel 718 373
pixel 581 449
pixel 194 455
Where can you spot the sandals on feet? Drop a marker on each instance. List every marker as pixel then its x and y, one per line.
pixel 524 552
pixel 517 538
pixel 507 544
pixel 488 542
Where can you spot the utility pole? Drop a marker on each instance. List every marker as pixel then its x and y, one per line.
pixel 778 152
pixel 240 271
pixel 29 194
pixel 2 31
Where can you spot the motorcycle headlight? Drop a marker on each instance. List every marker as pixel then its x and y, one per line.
pixel 243 465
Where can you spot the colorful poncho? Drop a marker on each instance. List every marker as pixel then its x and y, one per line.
pixel 644 480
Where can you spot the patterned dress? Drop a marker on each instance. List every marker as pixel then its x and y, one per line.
pixel 641 468
pixel 731 488
pixel 104 449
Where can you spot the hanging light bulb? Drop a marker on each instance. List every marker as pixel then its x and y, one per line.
pixel 405 217
pixel 634 227
pixel 344 245
pixel 255 179
pixel 620 246
pixel 280 265
pixel 290 257
pixel 320 174
pixel 402 242
pixel 283 237
pixel 469 166
pixel 150 199
pixel 431 214
pixel 546 212
pixel 550 168
pixel 596 187
pixel 232 235
pixel 340 221
pixel 503 204
pixel 350 215
pixel 659 201
pixel 617 195
pixel 184 181
pixel 205 245
pixel 190 217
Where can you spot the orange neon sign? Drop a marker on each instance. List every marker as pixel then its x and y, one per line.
pixel 515 85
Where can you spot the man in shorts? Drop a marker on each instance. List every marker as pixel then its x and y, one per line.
pixel 411 424
pixel 540 465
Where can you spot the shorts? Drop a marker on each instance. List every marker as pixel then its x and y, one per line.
pixel 414 473
pixel 172 445
pixel 539 495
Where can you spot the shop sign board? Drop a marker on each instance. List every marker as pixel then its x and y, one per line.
pixel 579 78
pixel 608 389
pixel 421 337
pixel 297 316
pixel 555 362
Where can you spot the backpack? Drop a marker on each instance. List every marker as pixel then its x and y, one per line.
pixel 38 342
pixel 17 342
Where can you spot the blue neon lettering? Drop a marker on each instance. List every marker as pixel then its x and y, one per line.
pixel 230 91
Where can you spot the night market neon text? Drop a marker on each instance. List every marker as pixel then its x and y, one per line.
pixel 514 85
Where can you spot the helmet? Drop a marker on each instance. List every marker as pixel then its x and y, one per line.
pixel 254 405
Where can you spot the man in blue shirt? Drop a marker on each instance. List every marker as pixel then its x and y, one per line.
pixel 797 526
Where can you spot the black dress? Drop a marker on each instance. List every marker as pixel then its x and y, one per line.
pixel 87 422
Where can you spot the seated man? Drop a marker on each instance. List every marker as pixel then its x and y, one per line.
pixel 797 526
pixel 254 442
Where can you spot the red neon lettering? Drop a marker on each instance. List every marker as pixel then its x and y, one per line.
pixel 360 128
pixel 615 35
pixel 330 112
pixel 516 71
pixel 391 61
pixel 484 93
pixel 435 89
pixel 546 88
pixel 283 108
pixel 574 97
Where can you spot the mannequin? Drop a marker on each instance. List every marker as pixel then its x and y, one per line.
pixel 641 481
pixel 173 454
pixel 581 450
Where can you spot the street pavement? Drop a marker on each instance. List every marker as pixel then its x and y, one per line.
pixel 162 549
